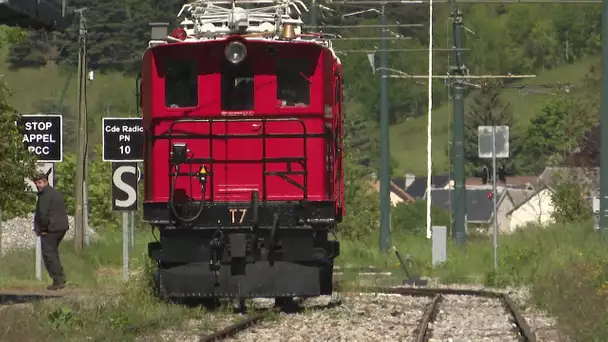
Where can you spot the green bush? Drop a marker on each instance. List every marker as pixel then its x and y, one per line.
pixel 411 217
pixel 99 183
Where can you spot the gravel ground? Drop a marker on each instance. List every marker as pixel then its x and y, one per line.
pixel 544 326
pixel 381 317
pixel 360 317
pixel 192 330
pixel 468 318
pixel 18 233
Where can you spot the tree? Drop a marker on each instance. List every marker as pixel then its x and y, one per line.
pixel 487 109
pixel 16 163
pixel 556 133
pixel 568 199
pixel 362 215
pixel 32 52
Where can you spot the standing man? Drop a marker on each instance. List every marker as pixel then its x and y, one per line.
pixel 51 224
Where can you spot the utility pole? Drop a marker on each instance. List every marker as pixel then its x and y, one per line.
pixel 385 213
pixel 604 124
pixel 458 68
pixel 82 135
pixel 313 13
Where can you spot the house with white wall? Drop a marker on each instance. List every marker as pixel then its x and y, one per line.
pixel 397 195
pixel 537 208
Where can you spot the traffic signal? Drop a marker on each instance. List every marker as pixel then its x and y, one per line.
pixel 490 195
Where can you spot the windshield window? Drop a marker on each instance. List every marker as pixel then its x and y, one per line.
pixel 293 82
pixel 181 83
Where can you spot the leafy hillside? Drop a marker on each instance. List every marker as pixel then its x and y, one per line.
pixel 408 138
pixel 42 90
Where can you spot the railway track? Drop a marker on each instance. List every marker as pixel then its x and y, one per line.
pixel 423 310
pixel 19 297
pixel 424 330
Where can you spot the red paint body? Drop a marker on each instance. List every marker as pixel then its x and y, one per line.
pixel 234 182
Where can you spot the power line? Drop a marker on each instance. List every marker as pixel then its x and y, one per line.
pixel 365 26
pixel 462 76
pixel 371 38
pixel 397 50
pixel 455 2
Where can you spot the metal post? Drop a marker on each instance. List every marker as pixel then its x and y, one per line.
pixel 132 231
pixel 38 259
pixel 384 143
pixel 313 13
pixel 604 124
pixel 494 194
pixel 1 249
pixel 458 200
pixel 82 137
pixel 125 246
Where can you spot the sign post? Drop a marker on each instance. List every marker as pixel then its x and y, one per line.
pixel 43 137
pixel 123 144
pixel 124 199
pixel 493 142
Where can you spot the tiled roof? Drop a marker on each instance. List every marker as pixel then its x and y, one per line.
pixel 479 208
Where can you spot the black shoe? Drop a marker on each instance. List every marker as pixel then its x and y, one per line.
pixel 56 286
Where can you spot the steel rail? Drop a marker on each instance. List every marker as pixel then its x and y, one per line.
pixel 429 315
pixel 233 329
pixel 252 320
pixel 522 326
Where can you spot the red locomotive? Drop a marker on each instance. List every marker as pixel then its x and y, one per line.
pixel 243 158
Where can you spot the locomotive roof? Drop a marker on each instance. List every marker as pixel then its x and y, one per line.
pixel 252 20
pixel 167 45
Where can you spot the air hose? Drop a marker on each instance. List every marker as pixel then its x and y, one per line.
pixel 201 204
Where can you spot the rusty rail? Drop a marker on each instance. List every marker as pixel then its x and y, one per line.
pixel 522 326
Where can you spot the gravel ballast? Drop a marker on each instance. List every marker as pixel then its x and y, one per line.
pixel 360 317
pixel 469 318
pixel 18 233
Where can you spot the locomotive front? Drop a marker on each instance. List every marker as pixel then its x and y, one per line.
pixel 243 157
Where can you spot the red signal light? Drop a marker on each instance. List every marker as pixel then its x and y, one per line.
pixel 490 194
pixel 179 33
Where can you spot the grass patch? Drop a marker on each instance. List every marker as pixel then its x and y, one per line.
pixel 96 267
pixel 565 266
pixel 413 131
pixel 110 309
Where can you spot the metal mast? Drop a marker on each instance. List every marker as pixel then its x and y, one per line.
pixel 385 210
pixel 458 200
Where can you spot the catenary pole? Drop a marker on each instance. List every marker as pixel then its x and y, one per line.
pixel 458 199
pixel 384 143
pixel 604 124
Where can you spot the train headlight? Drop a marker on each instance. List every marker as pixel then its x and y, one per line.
pixel 235 52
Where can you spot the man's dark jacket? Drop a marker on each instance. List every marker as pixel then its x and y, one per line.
pixel 51 215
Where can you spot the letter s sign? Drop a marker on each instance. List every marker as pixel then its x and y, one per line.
pixel 124 186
